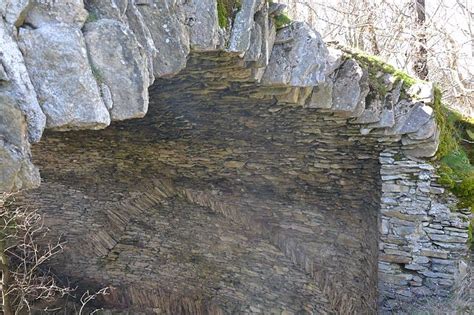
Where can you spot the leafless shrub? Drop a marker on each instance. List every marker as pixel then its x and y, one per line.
pixel 87 297
pixel 25 281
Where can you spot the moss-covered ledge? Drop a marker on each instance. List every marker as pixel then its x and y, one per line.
pixel 454 159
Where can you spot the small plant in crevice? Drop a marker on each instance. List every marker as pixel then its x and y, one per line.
pixel 92 17
pixel 97 74
pixel 454 158
pixel 282 20
pixel 226 11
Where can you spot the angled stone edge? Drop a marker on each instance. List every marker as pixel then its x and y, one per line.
pixel 292 64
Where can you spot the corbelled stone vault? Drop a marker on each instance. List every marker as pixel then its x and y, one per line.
pixel 198 168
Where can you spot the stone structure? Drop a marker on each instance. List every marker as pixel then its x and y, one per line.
pixel 422 242
pixel 257 181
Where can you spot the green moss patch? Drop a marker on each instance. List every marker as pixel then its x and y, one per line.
pixel 281 20
pixel 376 68
pixel 92 17
pixel 455 156
pixel 226 11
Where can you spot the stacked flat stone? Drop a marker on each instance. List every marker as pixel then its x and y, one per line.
pixel 423 242
pixel 66 69
pixel 63 71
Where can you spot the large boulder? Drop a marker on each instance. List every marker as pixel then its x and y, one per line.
pixel 56 58
pixel 169 35
pixel 201 21
pixel 16 170
pixel 20 87
pixel 70 12
pixel 350 89
pixel 243 25
pixel 298 58
pixel 114 54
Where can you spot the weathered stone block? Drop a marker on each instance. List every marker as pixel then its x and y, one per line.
pixel 120 65
pixel 298 58
pixel 70 12
pixel 57 62
pixel 19 84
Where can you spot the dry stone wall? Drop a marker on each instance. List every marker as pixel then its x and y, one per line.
pixel 423 242
pixel 259 148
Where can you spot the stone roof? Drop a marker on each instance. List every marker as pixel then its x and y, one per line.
pixel 64 68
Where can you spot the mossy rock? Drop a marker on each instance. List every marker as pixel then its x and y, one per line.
pixel 282 20
pixel 376 66
pixel 226 11
pixel 454 159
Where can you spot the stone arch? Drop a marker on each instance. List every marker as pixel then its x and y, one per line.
pixel 257 180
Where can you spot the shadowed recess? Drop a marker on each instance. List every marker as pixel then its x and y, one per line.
pixel 216 203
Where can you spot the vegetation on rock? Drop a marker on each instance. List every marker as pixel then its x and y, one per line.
pixel 92 17
pixel 455 157
pixel 226 10
pixel 375 67
pixel 282 20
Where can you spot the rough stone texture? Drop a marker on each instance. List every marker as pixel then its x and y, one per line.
pixel 14 11
pixel 201 20
pixel 120 65
pixel 57 62
pixel 245 178
pixel 298 58
pixel 165 32
pixel 16 170
pixel 348 96
pixel 421 241
pixel 21 119
pixel 242 28
pixel 43 12
pixel 20 85
pixel 169 35
pixel 253 183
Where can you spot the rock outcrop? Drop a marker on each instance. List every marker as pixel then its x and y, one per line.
pixel 267 132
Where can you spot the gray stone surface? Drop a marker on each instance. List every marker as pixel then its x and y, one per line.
pixel 204 31
pixel 417 239
pixel 414 119
pixel 120 65
pixel 14 11
pixel 57 62
pixel 16 169
pixel 109 9
pixel 242 28
pixel 322 95
pixel 348 91
pixel 43 12
pixel 20 86
pixel 136 23
pixel 426 131
pixel 298 58
pixel 169 35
